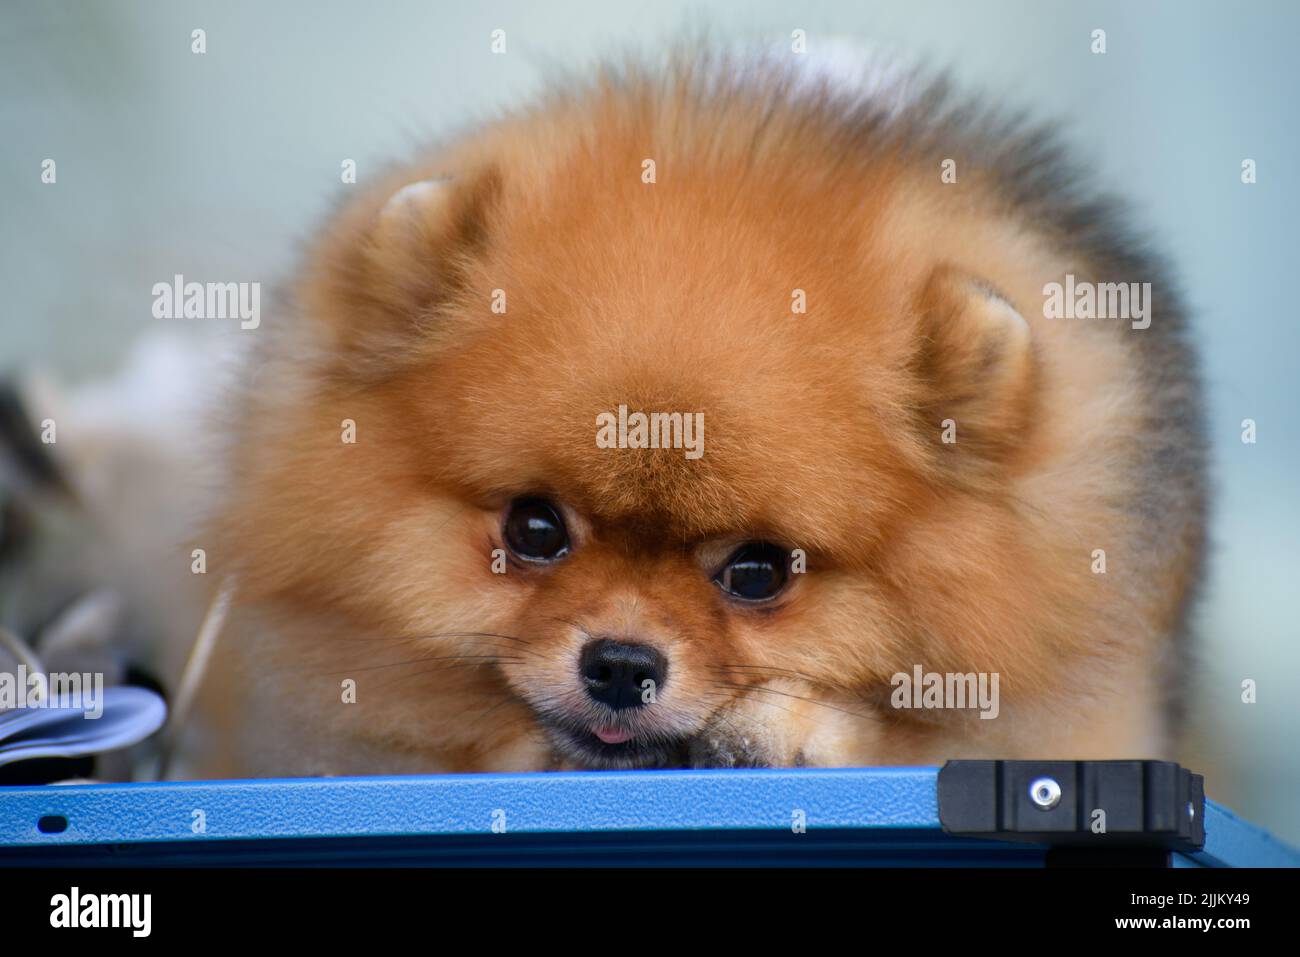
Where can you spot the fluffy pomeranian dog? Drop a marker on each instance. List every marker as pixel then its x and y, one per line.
pixel 681 419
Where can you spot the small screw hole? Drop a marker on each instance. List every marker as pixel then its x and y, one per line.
pixel 1045 792
pixel 52 824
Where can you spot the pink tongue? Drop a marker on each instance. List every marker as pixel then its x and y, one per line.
pixel 613 735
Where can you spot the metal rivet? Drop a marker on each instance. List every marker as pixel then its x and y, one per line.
pixel 1045 792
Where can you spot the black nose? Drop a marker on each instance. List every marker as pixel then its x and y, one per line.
pixel 616 673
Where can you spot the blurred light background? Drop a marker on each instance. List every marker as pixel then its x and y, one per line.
pixel 217 166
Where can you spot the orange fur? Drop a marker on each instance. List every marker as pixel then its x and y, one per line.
pixel 371 561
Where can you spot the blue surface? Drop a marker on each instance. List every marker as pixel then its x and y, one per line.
pixel 465 804
pixel 873 816
pixel 1233 842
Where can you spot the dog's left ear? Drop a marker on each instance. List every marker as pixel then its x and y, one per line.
pixel 975 363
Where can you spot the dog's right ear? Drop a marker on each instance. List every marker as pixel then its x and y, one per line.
pixel 976 367
pixel 389 263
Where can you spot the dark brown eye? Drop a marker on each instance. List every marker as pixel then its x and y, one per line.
pixel 756 572
pixel 534 530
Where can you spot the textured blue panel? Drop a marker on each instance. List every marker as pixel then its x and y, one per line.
pixel 613 801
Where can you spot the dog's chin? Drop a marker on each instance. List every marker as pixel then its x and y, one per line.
pixel 581 746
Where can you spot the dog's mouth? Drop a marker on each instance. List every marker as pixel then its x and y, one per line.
pixel 614 745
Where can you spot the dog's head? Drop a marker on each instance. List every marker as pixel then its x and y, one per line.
pixel 644 417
